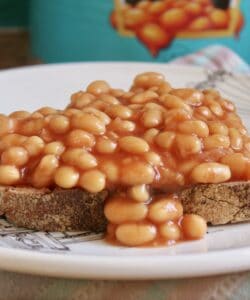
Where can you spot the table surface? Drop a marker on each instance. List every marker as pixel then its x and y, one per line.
pixel 20 286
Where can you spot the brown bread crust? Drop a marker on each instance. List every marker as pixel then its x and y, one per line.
pixel 218 203
pixel 76 209
pixel 54 210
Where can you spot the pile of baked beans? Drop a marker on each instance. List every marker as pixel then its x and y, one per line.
pixel 143 145
pixel 156 23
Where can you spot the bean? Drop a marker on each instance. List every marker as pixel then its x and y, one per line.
pixel 34 145
pixel 211 173
pixel 9 175
pixel 199 128
pixel 89 123
pixel 93 181
pixel 171 178
pixel 66 177
pixel 216 109
pixel 150 135
pixel 189 95
pixel 56 148
pixel 109 99
pixel 80 138
pixel 59 124
pixel 135 234
pixel 31 127
pixel 152 118
pixel 148 79
pixel 203 113
pixel 21 114
pixel 78 157
pixel 44 172
pixel 237 163
pixel 110 169
pixel 133 144
pixel 47 111
pixel 217 127
pixel 105 145
pixel 15 155
pixel 120 210
pixel 164 88
pixel 144 97
pixel 153 158
pixel 171 101
pixel 236 141
pixel 137 172
pixel 165 139
pixel 120 111
pixel 188 144
pixel 193 226
pixel 165 209
pixel 97 113
pixel 139 193
pixel 216 141
pixel 81 99
pixel 12 139
pixel 122 126
pixel 170 231
pixel 98 87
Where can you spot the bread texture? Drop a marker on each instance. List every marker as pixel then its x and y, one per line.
pixel 77 210
pixel 218 203
pixel 54 210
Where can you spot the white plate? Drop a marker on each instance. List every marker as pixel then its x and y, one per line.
pixel 83 255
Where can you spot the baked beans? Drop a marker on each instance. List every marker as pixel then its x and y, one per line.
pixel 211 173
pixel 98 87
pixel 165 210
pixel 134 143
pixel 170 231
pixel 144 97
pixel 44 172
pixel 9 175
pixel 165 139
pixel 193 226
pixel 93 181
pixel 89 123
pixel 132 234
pixel 139 193
pixel 121 210
pixel 152 118
pixel 66 177
pixel 188 144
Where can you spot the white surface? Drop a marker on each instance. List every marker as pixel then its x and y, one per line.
pixel 225 248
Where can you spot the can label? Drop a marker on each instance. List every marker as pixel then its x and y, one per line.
pixel 156 24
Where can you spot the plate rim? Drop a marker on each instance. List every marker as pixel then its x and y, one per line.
pixel 119 268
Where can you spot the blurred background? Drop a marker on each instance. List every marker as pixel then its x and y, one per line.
pixel 34 31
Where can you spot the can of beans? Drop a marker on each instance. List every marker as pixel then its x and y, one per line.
pixel 136 30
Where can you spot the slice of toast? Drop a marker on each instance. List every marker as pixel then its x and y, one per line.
pixel 76 209
pixel 53 210
pixel 218 203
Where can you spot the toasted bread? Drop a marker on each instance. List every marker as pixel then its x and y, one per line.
pixel 53 210
pixel 76 209
pixel 218 203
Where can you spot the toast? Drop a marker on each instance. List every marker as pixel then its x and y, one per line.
pixel 53 210
pixel 218 203
pixel 76 209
